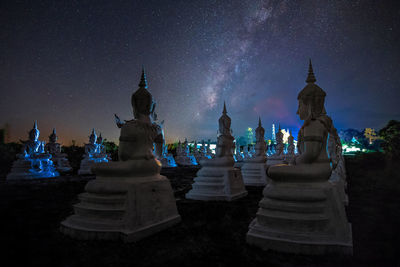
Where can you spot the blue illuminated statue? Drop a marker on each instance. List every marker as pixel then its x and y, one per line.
pixel 161 149
pixel 60 159
pixel 184 157
pixel 33 162
pixel 94 153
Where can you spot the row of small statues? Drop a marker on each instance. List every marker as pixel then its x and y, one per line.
pixel 39 159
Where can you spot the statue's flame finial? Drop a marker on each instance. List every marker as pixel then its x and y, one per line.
pixel 311 77
pixel 35 125
pixel 143 80
pixel 224 111
pixel 54 131
pixel 259 121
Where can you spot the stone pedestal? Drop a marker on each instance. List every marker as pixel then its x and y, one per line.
pixel 186 160
pixel 338 179
pixel 61 163
pixel 26 168
pixel 254 173
pixel 275 160
pixel 89 161
pixel 305 218
pixel 238 164
pixel 123 208
pixel 215 182
pixel 168 161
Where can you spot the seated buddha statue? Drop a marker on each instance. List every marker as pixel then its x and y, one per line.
pixel 260 147
pixel 313 163
pixel 136 140
pixel 33 146
pixel 225 145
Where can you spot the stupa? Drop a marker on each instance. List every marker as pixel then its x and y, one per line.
pixel 129 199
pixel 184 157
pixel 301 211
pixel 93 154
pixel 254 170
pixel 278 156
pixel 59 159
pixel 33 162
pixel 218 179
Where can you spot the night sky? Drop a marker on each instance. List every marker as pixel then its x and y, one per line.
pixel 72 65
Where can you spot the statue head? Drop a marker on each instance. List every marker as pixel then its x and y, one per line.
pixel 34 133
pixel 53 136
pixel 99 140
pixel 142 100
pixel 260 131
pixel 93 137
pixel 311 98
pixel 224 122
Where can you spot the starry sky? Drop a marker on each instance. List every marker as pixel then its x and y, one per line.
pixel 73 64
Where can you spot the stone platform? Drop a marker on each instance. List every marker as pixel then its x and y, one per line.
pixel 301 218
pixel 126 209
pixel 217 183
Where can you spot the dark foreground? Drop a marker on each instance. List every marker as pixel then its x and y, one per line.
pixel 210 234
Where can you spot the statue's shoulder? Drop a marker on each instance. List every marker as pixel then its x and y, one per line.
pixel 314 128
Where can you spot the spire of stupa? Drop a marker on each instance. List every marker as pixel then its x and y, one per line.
pixel 310 77
pixel 224 111
pixel 143 80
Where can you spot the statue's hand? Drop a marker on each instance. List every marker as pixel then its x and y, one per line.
pixel 118 121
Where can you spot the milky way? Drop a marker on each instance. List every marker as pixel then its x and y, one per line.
pixel 72 65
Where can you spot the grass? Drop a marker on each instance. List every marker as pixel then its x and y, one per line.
pixel 210 234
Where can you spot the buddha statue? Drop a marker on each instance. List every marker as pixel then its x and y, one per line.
pixel 60 159
pixel 301 211
pixel 254 168
pixel 291 148
pixel 161 149
pixel 210 154
pixel 33 162
pixel 218 179
pixel 138 200
pixel 184 157
pixel 277 149
pixel 93 154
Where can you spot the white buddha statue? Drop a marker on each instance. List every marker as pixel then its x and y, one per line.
pixel 218 179
pixel 138 200
pixel 254 168
pixel 301 211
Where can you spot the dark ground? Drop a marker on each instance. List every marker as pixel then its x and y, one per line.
pixel 210 234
